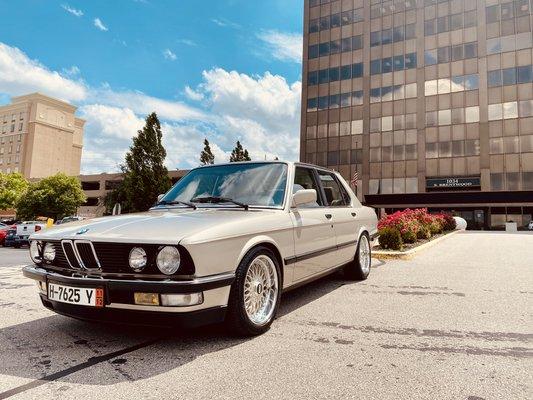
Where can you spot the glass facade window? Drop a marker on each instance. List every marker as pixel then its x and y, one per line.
pixel 386 143
pixel 312 78
pixel 394 35
pixel 334 101
pixel 335 46
pixel 525 74
pixel 496 145
pixel 525 108
pixel 312 104
pixel 494 78
pixel 496 181
pixel 357 97
pixel 357 70
pixel 526 144
pixel 375 67
pixel 430 57
pixel 313 51
pixel 509 76
pixel 471 114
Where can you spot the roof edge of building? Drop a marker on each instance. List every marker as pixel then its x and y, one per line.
pixel 42 97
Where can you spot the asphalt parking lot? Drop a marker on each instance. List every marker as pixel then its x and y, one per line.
pixel 453 323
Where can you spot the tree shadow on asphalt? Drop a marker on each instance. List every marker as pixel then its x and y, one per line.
pixel 55 348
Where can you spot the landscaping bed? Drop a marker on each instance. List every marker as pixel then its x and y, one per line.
pixel 410 246
pixel 408 229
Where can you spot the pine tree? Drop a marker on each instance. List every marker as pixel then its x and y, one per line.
pixel 145 174
pixel 206 156
pixel 239 154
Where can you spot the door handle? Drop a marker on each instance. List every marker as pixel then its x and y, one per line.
pixel 328 216
pixel 354 214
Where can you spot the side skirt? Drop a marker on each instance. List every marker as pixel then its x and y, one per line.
pixel 313 278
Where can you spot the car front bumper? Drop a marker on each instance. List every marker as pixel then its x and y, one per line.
pixel 119 305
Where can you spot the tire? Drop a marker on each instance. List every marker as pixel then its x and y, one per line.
pixel 248 284
pixel 16 246
pixel 356 270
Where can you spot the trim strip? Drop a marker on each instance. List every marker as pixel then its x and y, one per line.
pixel 157 286
pixel 313 254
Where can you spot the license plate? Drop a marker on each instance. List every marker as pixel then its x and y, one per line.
pixel 81 296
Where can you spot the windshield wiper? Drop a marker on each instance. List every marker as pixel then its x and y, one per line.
pixel 170 203
pixel 217 199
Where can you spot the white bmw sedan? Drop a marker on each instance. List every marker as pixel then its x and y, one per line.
pixel 220 246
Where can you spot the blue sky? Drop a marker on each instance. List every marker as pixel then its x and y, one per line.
pixel 227 70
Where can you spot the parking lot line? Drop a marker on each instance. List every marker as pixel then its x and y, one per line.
pixel 75 368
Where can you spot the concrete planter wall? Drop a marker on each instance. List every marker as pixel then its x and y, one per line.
pixel 510 227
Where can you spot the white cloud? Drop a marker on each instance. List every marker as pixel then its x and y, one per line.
pixel 100 25
pixel 263 112
pixel 108 133
pixel 224 23
pixel 187 42
pixel 72 71
pixel 193 94
pixel 22 75
pixel 283 46
pixel 268 99
pixel 169 55
pixel 73 11
pixel 143 104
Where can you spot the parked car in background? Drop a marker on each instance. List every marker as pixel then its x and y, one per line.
pixel 11 238
pixel 69 219
pixel 221 245
pixel 3 233
pixel 25 229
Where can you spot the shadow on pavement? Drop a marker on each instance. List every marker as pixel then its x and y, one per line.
pixel 54 348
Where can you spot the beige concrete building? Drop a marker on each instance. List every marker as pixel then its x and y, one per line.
pixel 97 186
pixel 40 136
pixel 430 101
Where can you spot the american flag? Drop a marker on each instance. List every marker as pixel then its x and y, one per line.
pixel 354 180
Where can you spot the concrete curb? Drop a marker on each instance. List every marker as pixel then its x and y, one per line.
pixel 406 255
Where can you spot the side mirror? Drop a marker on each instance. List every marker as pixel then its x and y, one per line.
pixel 304 196
pixel 160 197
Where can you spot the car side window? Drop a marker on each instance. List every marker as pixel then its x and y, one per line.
pixel 336 196
pixel 304 178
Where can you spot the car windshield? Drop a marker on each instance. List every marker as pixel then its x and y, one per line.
pixel 253 184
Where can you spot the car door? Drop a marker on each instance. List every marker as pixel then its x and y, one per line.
pixel 344 216
pixel 314 235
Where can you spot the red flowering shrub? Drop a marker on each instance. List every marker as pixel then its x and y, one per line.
pixel 406 223
pixel 449 222
pixel 424 233
pixel 416 224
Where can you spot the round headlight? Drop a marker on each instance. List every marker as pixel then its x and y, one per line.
pixel 49 252
pixel 35 251
pixel 138 259
pixel 168 260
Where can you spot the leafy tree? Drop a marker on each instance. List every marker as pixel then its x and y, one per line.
pixel 54 197
pixel 206 156
pixel 239 154
pixel 12 187
pixel 145 174
pixel 113 197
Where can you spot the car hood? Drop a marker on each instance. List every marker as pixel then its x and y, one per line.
pixel 167 226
